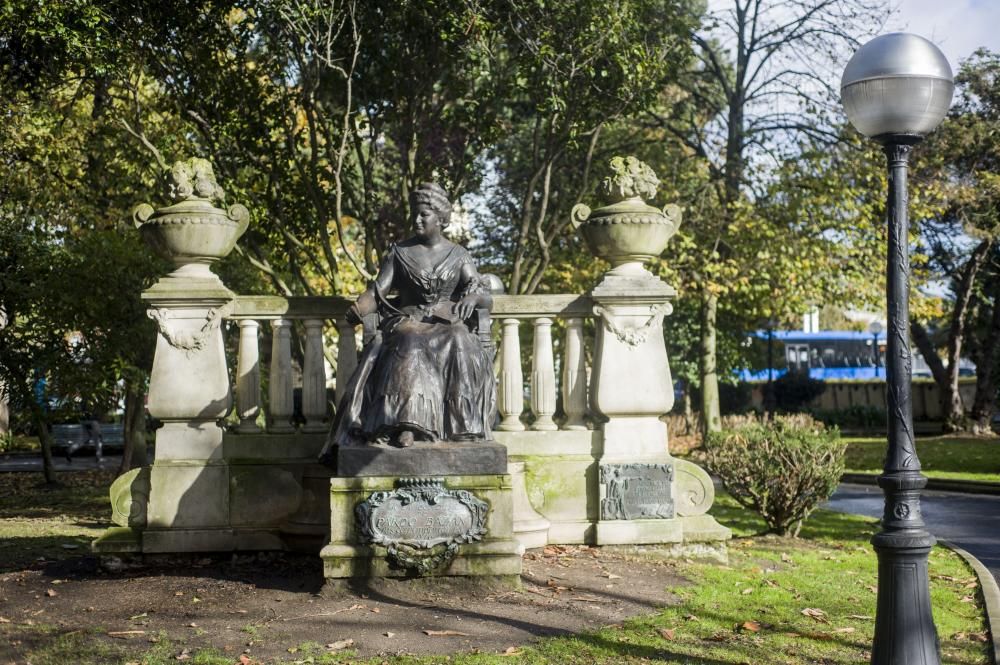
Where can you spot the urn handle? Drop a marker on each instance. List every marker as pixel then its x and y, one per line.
pixel 672 212
pixel 141 214
pixel 239 214
pixel 579 214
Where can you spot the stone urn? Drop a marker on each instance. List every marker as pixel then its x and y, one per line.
pixel 192 233
pixel 628 232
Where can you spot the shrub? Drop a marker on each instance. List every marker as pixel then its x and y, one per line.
pixel 793 391
pixel 857 416
pixel 782 470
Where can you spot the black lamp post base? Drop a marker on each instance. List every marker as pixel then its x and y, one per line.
pixel 904 627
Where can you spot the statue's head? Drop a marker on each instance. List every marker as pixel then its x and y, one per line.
pixel 432 195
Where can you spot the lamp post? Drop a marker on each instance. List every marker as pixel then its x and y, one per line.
pixel 896 89
pixel 769 401
pixel 875 328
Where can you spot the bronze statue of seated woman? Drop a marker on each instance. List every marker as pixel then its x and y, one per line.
pixel 424 376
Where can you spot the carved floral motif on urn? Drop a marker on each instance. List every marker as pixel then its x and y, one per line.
pixel 628 232
pixel 192 232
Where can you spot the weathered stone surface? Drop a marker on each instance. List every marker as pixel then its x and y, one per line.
pixel 436 459
pixel 348 554
pixel 188 495
pixel 637 491
pixel 262 495
pixel 695 491
pixel 530 528
pixel 130 498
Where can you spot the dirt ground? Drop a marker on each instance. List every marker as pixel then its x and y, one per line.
pixel 267 605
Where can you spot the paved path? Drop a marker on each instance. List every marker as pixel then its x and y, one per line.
pixel 971 521
pixel 81 461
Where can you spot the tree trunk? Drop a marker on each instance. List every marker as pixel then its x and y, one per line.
pixel 950 400
pixel 984 404
pixel 689 417
pixel 710 414
pixel 133 429
pixel 45 439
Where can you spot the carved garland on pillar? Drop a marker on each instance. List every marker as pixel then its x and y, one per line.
pixel 632 337
pixel 185 340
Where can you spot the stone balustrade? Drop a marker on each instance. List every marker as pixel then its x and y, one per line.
pixel 511 315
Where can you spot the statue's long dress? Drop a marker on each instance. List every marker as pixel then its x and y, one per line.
pixel 424 371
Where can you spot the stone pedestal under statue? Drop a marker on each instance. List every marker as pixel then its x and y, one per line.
pixel 431 520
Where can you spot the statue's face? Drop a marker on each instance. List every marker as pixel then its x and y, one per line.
pixel 426 221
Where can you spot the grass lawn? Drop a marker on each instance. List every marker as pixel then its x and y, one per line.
pixel 779 600
pixel 946 457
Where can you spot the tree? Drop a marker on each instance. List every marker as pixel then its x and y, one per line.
pixel 765 79
pixel 71 273
pixel 961 161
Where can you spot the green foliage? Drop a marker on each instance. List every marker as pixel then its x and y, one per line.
pixel 855 417
pixel 782 470
pixel 793 391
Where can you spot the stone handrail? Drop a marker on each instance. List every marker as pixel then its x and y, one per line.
pixel 314 311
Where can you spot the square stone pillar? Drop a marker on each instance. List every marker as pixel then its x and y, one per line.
pixel 189 392
pixel 645 495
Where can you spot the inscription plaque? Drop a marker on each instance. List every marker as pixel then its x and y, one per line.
pixel 637 491
pixel 420 523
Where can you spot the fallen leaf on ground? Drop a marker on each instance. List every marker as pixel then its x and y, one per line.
pixel 786 558
pixel 511 651
pixel 183 655
pixel 845 629
pixel 667 633
pixel 387 634
pixel 138 616
pixel 967 599
pixel 340 644
pixel 816 614
pixel 445 633
pixel 51 592
pixel 4 620
pixel 192 625
pixel 746 592
pixel 860 617
pixel 125 633
pixel 178 593
pixel 752 626
pixel 244 659
pixel 612 576
pixel 691 617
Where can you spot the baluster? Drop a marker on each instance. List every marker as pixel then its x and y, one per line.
pixel 248 378
pixel 543 377
pixel 574 376
pixel 314 378
pixel 347 356
pixel 280 388
pixel 511 402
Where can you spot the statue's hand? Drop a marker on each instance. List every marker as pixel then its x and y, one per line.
pixel 466 306
pixel 354 315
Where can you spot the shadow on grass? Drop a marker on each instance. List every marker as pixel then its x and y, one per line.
pixel 820 525
pixel 83 494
